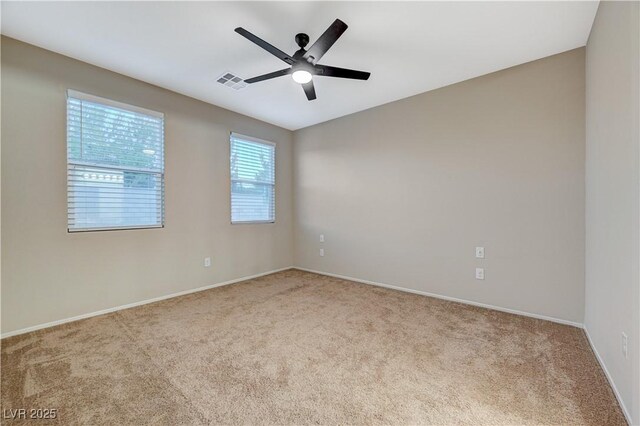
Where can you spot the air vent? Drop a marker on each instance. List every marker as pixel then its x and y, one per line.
pixel 231 80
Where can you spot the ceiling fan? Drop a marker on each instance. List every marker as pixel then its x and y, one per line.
pixel 304 63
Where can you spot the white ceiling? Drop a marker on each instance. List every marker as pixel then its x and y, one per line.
pixel 409 48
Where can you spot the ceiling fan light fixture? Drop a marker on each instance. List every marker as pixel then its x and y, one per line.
pixel 301 76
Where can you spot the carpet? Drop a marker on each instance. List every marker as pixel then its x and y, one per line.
pixel 300 348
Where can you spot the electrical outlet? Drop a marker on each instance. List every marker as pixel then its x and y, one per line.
pixel 322 252
pixel 479 252
pixel 207 262
pixel 479 273
pixel 322 238
pixel 625 346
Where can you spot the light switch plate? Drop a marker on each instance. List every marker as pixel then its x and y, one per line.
pixel 479 252
pixel 479 273
pixel 322 238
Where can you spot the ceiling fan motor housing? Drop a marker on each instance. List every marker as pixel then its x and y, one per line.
pixel 304 66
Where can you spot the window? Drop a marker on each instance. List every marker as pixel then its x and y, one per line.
pixel 252 180
pixel 115 165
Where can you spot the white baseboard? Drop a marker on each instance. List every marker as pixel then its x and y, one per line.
pixel 626 413
pixel 195 290
pixel 134 304
pixel 451 299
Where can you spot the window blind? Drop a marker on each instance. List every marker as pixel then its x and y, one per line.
pixel 115 165
pixel 252 180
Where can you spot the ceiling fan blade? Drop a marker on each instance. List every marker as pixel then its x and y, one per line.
pixel 268 76
pixel 309 90
pixel 327 71
pixel 266 46
pixel 325 41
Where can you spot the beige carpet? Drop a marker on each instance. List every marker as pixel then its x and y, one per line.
pixel 299 348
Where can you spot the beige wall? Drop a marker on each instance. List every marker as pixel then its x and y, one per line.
pixel 613 195
pixel 49 274
pixel 404 192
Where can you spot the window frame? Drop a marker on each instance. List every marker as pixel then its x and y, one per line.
pixel 82 96
pixel 252 139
